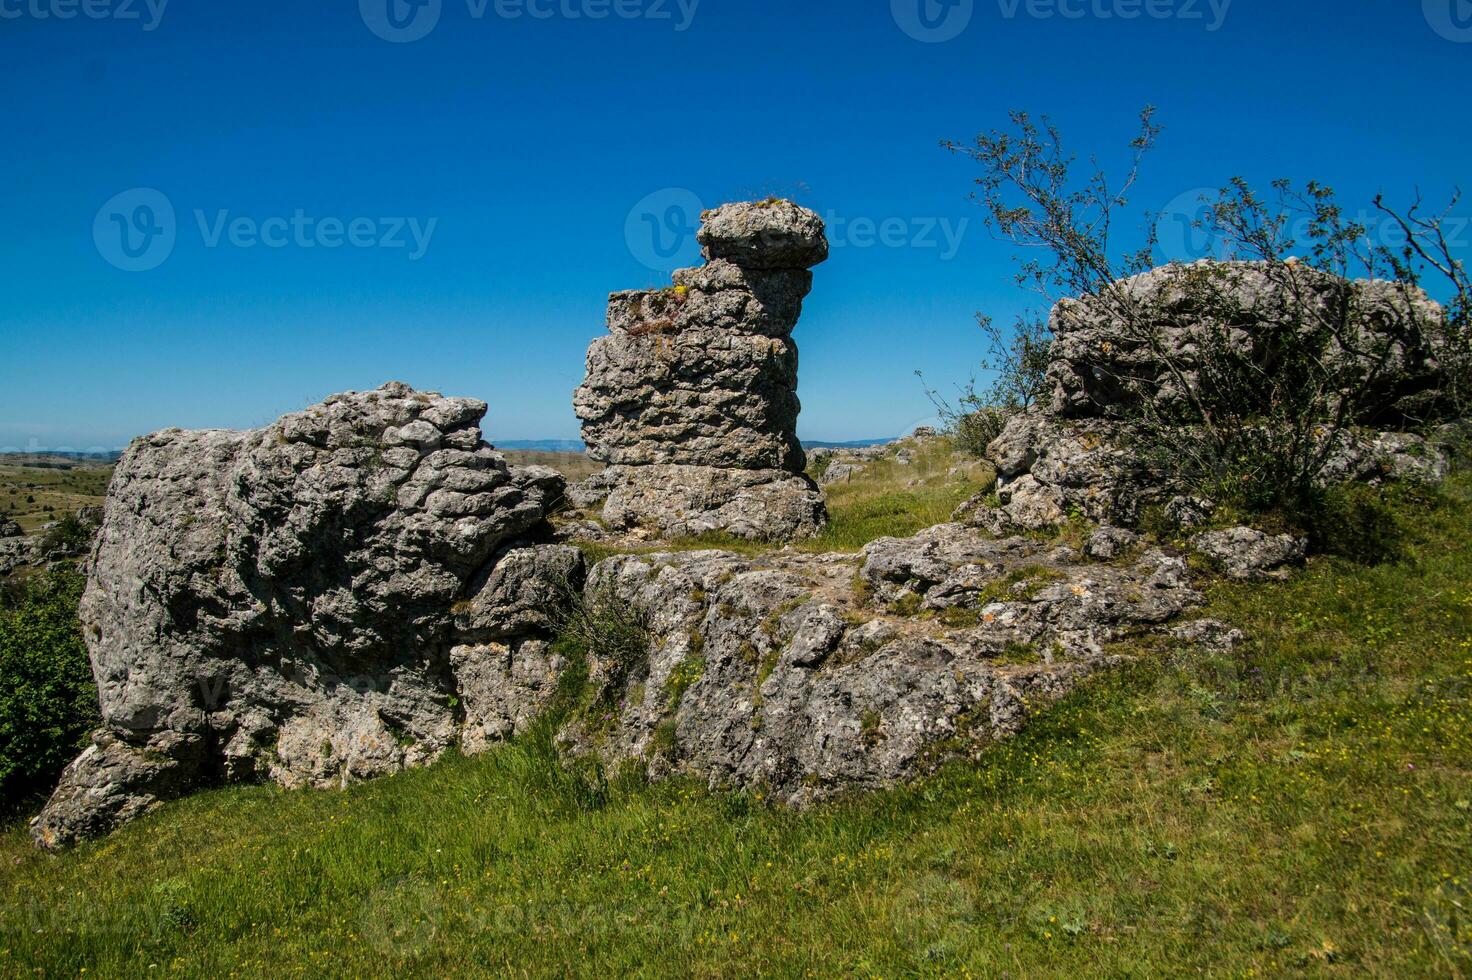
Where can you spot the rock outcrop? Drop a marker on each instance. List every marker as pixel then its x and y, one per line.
pixel 1100 365
pixel 340 594
pixel 691 398
pixel 808 675
pixel 1075 454
pixel 360 586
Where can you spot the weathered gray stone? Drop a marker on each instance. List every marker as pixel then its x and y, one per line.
pixel 115 780
pixel 1099 364
pixel 1248 554
pixel 521 594
pixel 16 553
pixel 805 687
pixel 589 491
pixel 1108 543
pixel 687 501
pixel 702 377
pixel 1188 512
pixel 504 687
pixel 839 473
pixel 1074 453
pixel 770 234
pixel 277 603
pixel 1211 635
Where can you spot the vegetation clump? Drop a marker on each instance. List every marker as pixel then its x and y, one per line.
pixel 609 630
pixel 48 702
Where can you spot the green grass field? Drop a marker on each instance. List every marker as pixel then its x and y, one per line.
pixel 36 495
pixel 1299 807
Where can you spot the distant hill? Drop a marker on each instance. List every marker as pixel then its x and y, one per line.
pixel 60 460
pixel 540 445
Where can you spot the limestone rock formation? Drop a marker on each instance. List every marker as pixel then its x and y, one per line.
pixel 777 673
pixel 691 398
pixel 283 603
pixel 1092 355
pixel 1072 454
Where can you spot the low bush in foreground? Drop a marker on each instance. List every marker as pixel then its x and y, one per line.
pixel 1301 805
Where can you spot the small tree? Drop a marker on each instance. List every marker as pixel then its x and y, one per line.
pixel 1019 365
pixel 1257 400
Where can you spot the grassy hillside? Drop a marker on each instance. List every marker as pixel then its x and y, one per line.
pixel 34 495
pixel 1300 806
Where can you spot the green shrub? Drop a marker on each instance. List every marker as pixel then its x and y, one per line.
pixel 607 628
pixel 48 702
pixel 973 431
pixel 70 536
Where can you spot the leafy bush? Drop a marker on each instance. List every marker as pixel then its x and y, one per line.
pixel 70 536
pixel 973 431
pixel 48 702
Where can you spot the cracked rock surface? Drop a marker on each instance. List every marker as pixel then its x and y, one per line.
pixel 808 675
pixel 278 603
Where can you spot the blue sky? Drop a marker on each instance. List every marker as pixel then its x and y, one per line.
pixel 519 146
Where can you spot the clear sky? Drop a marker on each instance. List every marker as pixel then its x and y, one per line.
pixel 485 169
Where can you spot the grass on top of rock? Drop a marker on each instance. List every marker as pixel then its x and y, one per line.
pixel 1301 804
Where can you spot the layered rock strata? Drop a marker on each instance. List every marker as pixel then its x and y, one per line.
pixel 691 398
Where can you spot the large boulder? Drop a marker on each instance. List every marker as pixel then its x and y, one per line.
pixel 280 603
pixel 770 234
pixel 1110 348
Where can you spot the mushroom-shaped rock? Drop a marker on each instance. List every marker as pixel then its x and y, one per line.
pixel 768 234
